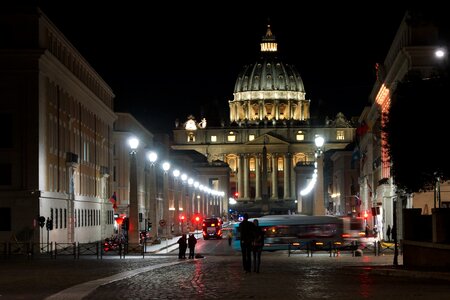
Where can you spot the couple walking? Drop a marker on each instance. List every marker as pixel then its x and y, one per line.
pixel 184 243
pixel 252 242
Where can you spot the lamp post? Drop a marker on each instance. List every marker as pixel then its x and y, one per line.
pixel 394 232
pixel 319 208
pixel 184 179
pixel 166 168
pixel 176 201
pixel 133 228
pixel 153 157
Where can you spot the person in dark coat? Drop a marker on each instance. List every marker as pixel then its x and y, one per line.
pixel 388 233
pixel 258 244
pixel 182 246
pixel 246 230
pixel 191 243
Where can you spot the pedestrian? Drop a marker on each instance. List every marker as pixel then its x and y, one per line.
pixel 388 233
pixel 191 243
pixel 182 245
pixel 367 230
pixel 258 244
pixel 246 230
pixel 230 237
pixel 394 233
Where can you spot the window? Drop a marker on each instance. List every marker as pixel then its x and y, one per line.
pixel 214 138
pixel 340 135
pixel 191 137
pixel 300 136
pixel 5 174
pixel 6 124
pixel 280 166
pixel 232 164
pixel 231 137
pixel 56 219
pixel 251 137
pixel 5 220
pixel 252 164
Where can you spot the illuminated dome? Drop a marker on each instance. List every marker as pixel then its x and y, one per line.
pixel 269 89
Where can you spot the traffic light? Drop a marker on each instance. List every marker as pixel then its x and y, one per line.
pixel 365 215
pixel 149 226
pixel 197 218
pixel 236 195
pixel 49 224
pixel 181 218
pixel 41 220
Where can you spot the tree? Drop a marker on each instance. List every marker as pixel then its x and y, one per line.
pixel 417 128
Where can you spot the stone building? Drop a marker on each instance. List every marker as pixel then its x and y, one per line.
pixel 57 119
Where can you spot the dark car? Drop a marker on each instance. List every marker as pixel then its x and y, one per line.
pixel 212 228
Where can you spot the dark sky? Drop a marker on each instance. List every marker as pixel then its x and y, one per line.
pixel 168 61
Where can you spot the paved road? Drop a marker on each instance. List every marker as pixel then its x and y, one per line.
pixel 216 276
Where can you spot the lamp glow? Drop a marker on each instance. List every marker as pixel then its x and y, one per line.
pixel 152 157
pixel 166 166
pixel 134 143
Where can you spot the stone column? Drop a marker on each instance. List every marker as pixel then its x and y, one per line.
pixel 274 176
pixel 286 172
pixel 246 183
pixel 257 177
pixel 293 178
pixel 240 175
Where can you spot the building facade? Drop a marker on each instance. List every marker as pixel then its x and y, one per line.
pixel 412 51
pixel 269 137
pixel 57 115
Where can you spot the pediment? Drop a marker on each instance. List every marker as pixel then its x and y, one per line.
pixel 267 139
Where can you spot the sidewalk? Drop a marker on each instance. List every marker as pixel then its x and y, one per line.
pixel 169 244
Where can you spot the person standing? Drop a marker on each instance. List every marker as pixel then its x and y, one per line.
pixel 388 233
pixel 230 237
pixel 191 243
pixel 258 244
pixel 246 230
pixel 182 245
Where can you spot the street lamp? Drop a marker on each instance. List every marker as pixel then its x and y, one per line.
pixel 176 199
pixel 153 157
pixel 319 208
pixel 184 203
pixel 166 168
pixel 133 228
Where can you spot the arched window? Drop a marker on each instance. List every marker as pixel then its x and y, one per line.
pixel 280 166
pixel 252 164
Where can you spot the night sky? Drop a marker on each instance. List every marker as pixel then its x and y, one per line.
pixel 175 60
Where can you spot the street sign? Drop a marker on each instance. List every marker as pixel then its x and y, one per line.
pixel 162 223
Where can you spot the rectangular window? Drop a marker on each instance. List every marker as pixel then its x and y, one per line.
pixel 231 138
pixel 6 124
pixel 5 220
pixel 280 166
pixel 300 136
pixel 56 218
pixel 5 174
pixel 340 135
pixel 213 138
pixel 251 137
pixel 252 164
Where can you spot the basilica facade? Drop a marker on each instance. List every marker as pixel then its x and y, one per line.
pixel 268 142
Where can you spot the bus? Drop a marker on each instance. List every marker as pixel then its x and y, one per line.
pixel 280 231
pixel 354 228
pixel 212 228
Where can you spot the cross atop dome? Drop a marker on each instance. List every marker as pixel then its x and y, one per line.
pixel 269 43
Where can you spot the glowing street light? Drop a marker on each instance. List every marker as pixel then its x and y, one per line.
pixel 133 228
